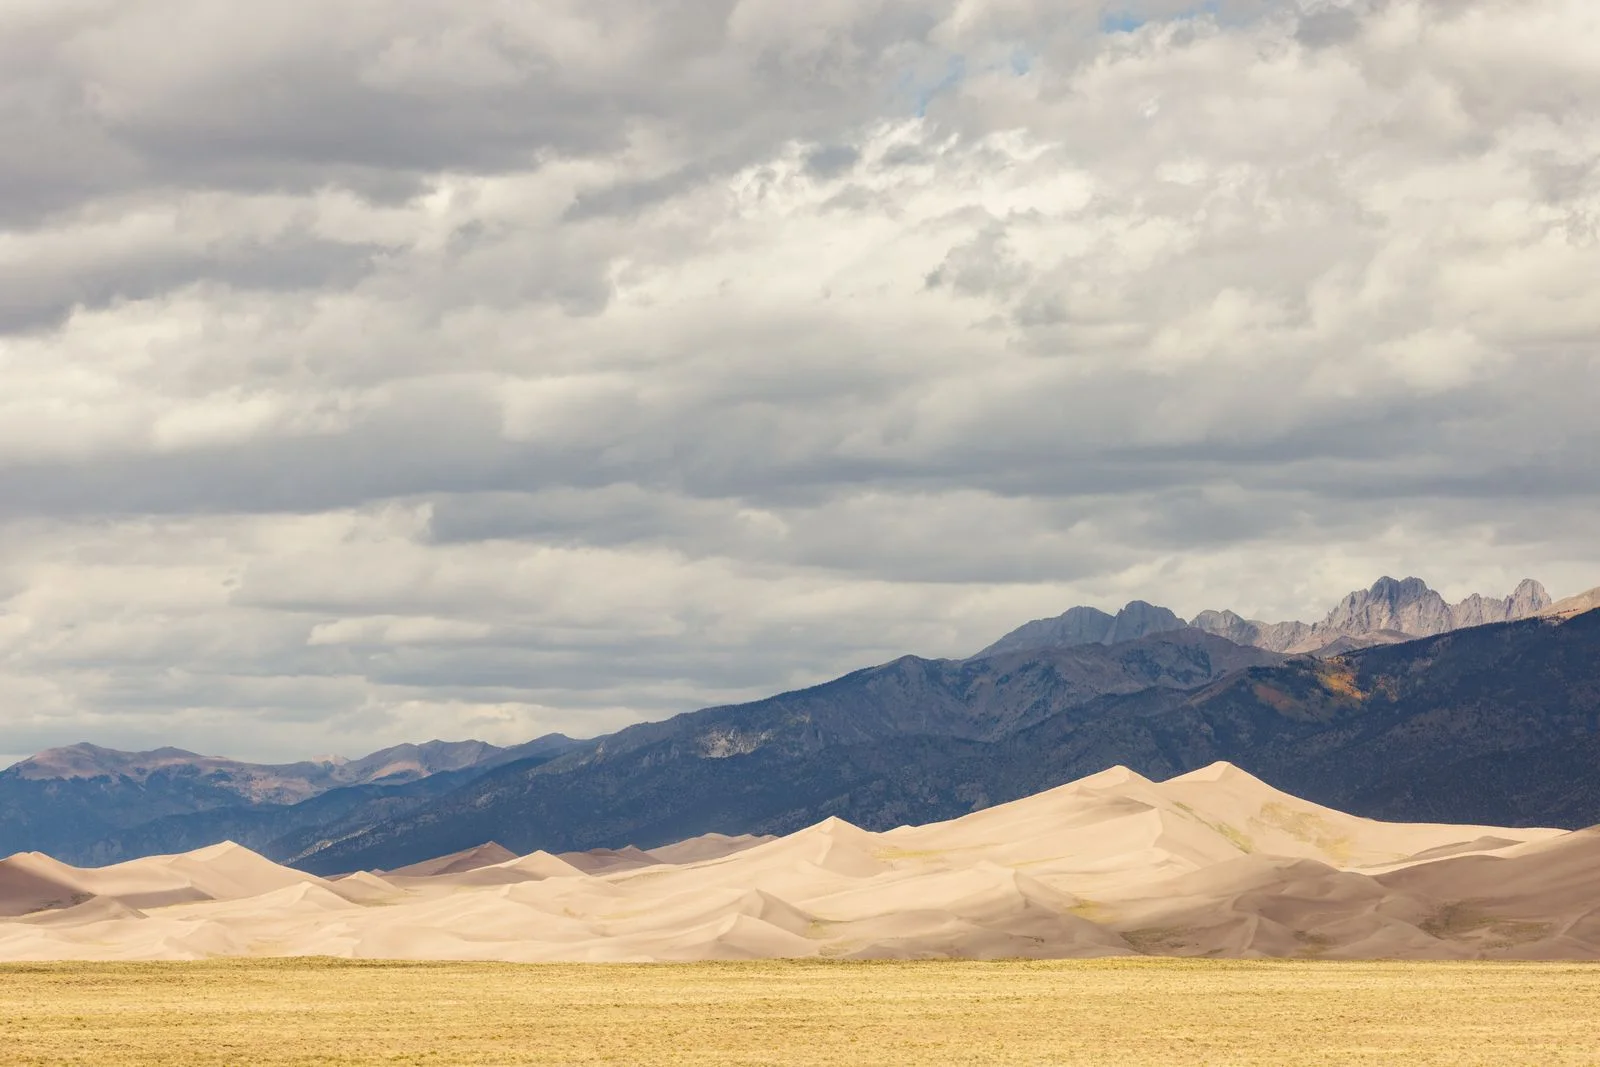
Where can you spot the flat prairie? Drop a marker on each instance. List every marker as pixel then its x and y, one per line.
pixel 1116 1011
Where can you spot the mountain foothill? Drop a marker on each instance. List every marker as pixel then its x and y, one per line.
pixel 1396 706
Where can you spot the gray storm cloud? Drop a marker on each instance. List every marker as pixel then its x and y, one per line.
pixel 393 370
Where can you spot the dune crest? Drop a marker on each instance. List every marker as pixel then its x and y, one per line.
pixel 1215 862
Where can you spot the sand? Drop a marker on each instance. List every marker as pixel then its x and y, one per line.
pixel 798 1014
pixel 1214 863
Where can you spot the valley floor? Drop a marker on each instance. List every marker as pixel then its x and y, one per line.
pixel 1119 1011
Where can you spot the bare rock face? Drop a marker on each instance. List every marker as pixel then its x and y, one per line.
pixel 1407 606
pixel 1477 610
pixel 1528 600
pixel 1226 624
pixel 1392 610
pixel 1077 626
pixel 1282 636
pixel 1273 636
pixel 1140 619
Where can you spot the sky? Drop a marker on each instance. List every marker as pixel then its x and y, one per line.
pixel 399 369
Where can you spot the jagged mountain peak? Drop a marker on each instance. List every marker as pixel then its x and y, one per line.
pixel 1140 618
pixel 1531 594
pixel 1391 609
pixel 1409 607
pixel 1405 606
pixel 1390 588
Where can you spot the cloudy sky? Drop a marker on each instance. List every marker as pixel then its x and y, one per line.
pixel 393 369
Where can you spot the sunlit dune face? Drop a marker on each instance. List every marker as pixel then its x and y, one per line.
pixel 1211 863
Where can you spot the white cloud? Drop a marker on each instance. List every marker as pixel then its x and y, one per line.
pixel 429 368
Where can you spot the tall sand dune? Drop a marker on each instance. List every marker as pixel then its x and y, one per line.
pixel 469 859
pixel 1211 863
pixel 30 882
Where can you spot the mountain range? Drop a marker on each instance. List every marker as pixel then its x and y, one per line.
pixel 261 783
pixel 1392 610
pixel 89 804
pixel 1496 723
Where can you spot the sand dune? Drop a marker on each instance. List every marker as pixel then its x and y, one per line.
pixel 31 882
pixel 705 847
pixel 364 887
pixel 470 859
pixel 533 867
pixel 1214 863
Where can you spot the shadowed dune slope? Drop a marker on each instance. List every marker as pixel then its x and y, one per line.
pixel 469 859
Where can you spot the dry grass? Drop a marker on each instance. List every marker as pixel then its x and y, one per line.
pixel 1310 828
pixel 1462 921
pixel 1100 1012
pixel 1237 838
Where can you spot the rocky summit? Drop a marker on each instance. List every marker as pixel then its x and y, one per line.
pixel 1391 610
pixel 1090 626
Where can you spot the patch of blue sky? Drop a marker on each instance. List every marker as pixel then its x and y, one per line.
pixel 1128 20
pixel 919 88
pixel 954 74
pixel 1120 22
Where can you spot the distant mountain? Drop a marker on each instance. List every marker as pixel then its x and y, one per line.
pixel 1089 626
pixel 263 783
pixel 659 782
pixel 89 804
pixel 1278 636
pixel 1499 723
pixel 1498 720
pixel 1409 607
pixel 1496 724
pixel 1389 612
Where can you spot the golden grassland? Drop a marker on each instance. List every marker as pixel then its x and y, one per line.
pixel 1143 1011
